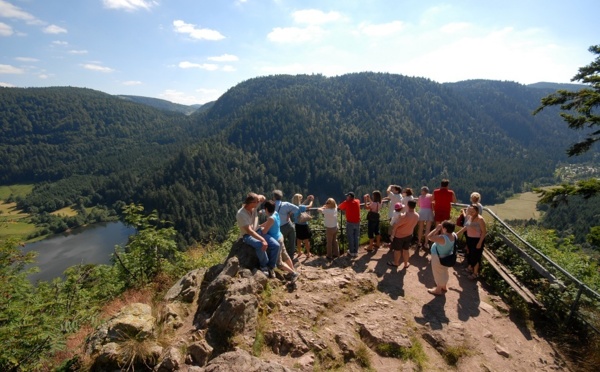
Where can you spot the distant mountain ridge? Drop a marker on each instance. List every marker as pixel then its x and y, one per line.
pixel 162 104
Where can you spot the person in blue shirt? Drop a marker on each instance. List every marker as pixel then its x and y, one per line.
pixel 271 227
pixel 285 211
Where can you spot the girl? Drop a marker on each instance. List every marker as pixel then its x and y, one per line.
pixel 476 231
pixel 425 218
pixel 373 206
pixel 303 233
pixel 330 215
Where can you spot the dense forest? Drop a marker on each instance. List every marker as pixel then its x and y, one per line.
pixel 306 133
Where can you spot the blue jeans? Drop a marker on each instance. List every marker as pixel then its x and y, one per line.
pixel 353 234
pixel 268 258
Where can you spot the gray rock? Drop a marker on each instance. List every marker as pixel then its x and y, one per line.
pixel 245 254
pixel 374 335
pixel 200 353
pixel 187 287
pixel 171 362
pixel 234 315
pixel 241 361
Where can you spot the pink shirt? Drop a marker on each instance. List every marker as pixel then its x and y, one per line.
pixel 425 201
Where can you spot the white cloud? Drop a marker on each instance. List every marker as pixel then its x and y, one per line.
pixel 60 43
pixel 96 67
pixel 132 82
pixel 129 5
pixel 224 58
pixel 8 69
pixel 54 29
pixel 202 66
pixel 6 85
pixel 26 59
pixel 455 27
pixel 196 33
pixel 383 29
pixel 228 68
pixel 43 76
pixel 7 10
pixel 5 30
pixel 314 16
pixel 295 34
pixel 83 51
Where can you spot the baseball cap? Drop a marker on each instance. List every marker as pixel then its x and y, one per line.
pixel 398 206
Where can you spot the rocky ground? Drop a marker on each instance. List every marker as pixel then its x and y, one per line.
pixel 468 327
pixel 350 314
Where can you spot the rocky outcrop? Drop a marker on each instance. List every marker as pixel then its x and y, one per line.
pixel 340 315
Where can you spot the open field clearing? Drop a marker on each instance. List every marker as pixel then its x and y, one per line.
pixel 65 212
pixel 16 190
pixel 519 207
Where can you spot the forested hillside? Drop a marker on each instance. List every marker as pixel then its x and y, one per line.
pixel 308 134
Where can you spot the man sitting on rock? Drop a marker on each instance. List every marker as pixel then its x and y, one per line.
pixel 266 247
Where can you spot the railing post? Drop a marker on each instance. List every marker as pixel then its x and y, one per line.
pixel 575 304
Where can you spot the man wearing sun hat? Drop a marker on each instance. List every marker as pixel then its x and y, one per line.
pixel 352 208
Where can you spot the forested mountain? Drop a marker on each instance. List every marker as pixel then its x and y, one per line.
pixel 361 132
pixel 306 133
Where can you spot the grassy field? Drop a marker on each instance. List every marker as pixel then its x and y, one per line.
pixel 65 212
pixel 16 190
pixel 520 206
pixel 14 223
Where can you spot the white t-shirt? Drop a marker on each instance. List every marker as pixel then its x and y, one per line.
pixel 405 202
pixel 394 198
pixel 330 216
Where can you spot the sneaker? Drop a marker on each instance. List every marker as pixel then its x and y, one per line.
pixel 294 277
pixel 265 271
pixel 353 254
pixel 271 273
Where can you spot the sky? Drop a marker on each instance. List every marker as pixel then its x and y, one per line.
pixel 193 51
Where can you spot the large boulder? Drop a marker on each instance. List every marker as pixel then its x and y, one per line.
pixel 126 339
pixel 245 254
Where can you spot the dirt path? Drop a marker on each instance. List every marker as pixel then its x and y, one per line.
pixel 467 322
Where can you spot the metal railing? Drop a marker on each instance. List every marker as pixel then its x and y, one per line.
pixel 542 268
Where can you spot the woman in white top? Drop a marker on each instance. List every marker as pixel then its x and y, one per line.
pixel 330 215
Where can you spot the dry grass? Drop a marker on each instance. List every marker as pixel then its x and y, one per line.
pixel 65 212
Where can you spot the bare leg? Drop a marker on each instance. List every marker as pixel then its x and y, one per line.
pixel 307 247
pixel 405 257
pixel 397 255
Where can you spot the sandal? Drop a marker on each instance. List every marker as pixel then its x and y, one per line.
pixel 433 292
pixel 390 263
pixel 473 276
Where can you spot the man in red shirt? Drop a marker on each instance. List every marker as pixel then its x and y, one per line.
pixel 352 208
pixel 402 233
pixel 442 202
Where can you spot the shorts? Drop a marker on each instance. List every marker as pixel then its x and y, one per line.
pixel 303 232
pixel 372 228
pixel 401 243
pixel 425 214
pixel 442 216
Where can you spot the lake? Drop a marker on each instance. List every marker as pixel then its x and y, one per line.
pixel 92 244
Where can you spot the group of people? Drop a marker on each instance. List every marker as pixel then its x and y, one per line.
pixel 284 233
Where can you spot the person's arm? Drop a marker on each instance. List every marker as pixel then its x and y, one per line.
pixel 248 230
pixel 461 231
pixel 434 235
pixel 267 224
pixel 309 201
pixel 483 232
pixel 453 197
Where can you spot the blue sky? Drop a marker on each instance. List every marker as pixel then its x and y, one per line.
pixel 192 51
